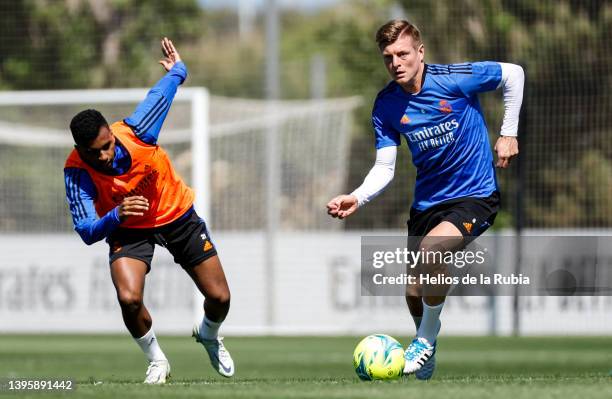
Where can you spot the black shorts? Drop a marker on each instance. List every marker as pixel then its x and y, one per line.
pixel 472 216
pixel 186 238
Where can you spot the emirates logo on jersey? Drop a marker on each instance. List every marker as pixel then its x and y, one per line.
pixel 445 107
pixel 405 120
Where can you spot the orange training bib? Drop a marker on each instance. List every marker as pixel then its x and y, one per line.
pixel 151 175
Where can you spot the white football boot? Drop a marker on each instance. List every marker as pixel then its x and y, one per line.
pixel 158 372
pixel 220 358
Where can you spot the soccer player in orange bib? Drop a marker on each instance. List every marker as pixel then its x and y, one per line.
pixel 122 187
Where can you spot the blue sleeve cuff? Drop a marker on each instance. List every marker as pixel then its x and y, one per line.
pixel 386 144
pixel 94 231
pixel 179 69
pixel 114 215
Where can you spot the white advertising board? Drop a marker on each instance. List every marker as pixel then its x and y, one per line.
pixel 55 283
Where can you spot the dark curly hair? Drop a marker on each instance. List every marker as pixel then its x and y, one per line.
pixel 86 125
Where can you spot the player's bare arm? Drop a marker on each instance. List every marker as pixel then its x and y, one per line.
pixel 171 55
pixel 506 148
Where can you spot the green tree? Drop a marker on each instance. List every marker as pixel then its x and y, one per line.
pixel 87 43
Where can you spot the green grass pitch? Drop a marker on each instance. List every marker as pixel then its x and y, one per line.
pixel 314 367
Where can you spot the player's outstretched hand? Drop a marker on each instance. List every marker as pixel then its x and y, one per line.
pixel 342 206
pixel 133 206
pixel 171 56
pixel 506 148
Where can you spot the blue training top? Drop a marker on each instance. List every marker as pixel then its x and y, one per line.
pixel 445 130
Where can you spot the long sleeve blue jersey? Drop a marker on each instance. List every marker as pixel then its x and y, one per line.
pixel 146 122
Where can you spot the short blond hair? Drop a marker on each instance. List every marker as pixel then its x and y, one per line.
pixel 392 30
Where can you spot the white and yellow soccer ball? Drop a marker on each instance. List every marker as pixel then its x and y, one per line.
pixel 378 357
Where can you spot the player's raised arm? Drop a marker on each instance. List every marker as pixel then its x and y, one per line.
pixel 149 116
pixel 171 55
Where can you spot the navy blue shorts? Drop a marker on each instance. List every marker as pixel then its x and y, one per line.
pixel 472 216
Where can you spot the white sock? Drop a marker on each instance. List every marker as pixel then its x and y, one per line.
pixel 149 345
pixel 209 329
pixel 430 324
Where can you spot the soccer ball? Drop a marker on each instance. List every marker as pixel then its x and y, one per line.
pixel 378 357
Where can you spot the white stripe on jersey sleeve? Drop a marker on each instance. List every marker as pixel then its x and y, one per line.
pixel 512 82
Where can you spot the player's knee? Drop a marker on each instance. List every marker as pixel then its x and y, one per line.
pixel 129 300
pixel 220 297
pixel 224 298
